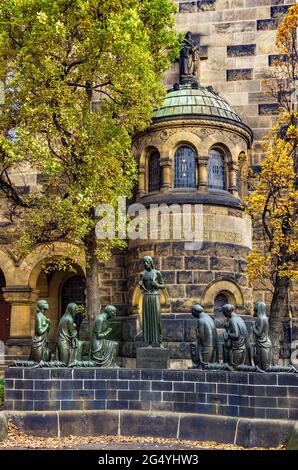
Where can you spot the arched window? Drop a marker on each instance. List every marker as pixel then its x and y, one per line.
pixel 216 170
pixel 185 168
pixel 154 172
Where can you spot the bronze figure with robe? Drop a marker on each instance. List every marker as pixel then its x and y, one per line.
pixel 263 357
pixel 39 350
pixel 236 351
pixel 205 350
pixel 103 351
pixel 151 282
pixel 68 348
pixel 189 57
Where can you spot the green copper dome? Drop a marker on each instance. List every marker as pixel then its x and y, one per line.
pixel 186 102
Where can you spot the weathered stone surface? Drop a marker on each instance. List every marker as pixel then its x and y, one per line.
pixel 172 262
pixel 292 443
pixel 184 277
pixel 265 433
pixel 3 426
pixel 196 262
pixel 80 423
pixel 268 108
pixel 203 277
pixel 148 424
pixel 241 50
pixel 36 424
pixel 173 330
pixel 207 428
pixel 239 74
pixel 153 358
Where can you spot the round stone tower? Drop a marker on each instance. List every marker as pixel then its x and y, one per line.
pixel 192 162
pixel 191 155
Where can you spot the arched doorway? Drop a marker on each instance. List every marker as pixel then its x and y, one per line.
pixel 219 301
pixel 5 309
pixel 73 290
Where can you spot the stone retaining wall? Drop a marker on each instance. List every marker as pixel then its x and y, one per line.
pixel 240 431
pixel 238 394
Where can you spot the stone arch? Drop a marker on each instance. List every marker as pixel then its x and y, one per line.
pixel 8 268
pixel 224 149
pixel 220 139
pixel 31 266
pixel 227 287
pixel 181 138
pixel 149 152
pixel 54 295
pixel 146 148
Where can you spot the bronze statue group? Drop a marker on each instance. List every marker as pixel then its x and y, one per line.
pixel 67 352
pixel 238 354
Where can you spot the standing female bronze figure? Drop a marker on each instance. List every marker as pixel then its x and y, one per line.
pixel 40 351
pixel 151 282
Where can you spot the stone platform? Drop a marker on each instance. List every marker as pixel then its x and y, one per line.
pixel 235 394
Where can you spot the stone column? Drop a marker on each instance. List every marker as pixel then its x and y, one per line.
pixel 233 188
pixel 22 300
pixel 166 181
pixel 142 181
pixel 203 174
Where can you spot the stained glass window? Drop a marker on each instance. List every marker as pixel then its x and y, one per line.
pixel 216 170
pixel 154 172
pixel 185 168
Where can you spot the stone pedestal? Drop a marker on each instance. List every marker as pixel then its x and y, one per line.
pixel 153 358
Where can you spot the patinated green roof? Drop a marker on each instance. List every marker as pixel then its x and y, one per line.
pixel 194 102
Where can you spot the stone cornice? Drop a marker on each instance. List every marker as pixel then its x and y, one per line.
pixel 200 127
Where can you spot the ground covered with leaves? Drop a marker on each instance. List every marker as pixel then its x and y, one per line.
pixel 18 440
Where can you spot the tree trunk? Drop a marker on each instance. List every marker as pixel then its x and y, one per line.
pixel 278 311
pixel 92 281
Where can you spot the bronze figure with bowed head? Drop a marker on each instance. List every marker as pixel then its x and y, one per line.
pixel 68 348
pixel 236 351
pixel 103 351
pixel 39 350
pixel 263 357
pixel 151 282
pixel 205 350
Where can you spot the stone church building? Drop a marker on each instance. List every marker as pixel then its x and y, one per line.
pixel 195 152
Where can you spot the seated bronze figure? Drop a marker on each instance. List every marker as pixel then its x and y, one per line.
pixel 236 350
pixel 103 351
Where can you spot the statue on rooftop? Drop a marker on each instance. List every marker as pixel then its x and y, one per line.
pixel 189 58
